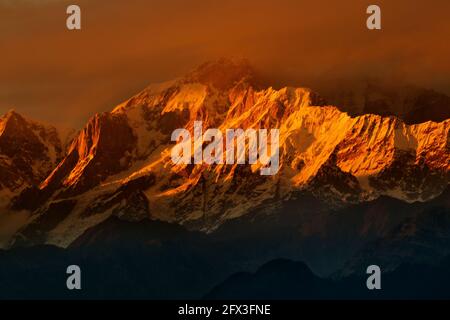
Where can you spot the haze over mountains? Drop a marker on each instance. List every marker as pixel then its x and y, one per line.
pixel 410 103
pixel 119 163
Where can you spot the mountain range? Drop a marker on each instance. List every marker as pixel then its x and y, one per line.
pixel 119 163
pixel 353 187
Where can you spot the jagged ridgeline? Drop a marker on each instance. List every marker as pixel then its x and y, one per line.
pixel 119 164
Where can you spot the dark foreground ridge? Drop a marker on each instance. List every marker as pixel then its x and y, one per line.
pixel 241 260
pixel 126 273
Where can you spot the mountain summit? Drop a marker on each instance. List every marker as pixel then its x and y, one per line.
pixel 223 74
pixel 29 151
pixel 119 164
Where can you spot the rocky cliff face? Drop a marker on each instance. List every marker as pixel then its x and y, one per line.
pixel 29 151
pixel 120 164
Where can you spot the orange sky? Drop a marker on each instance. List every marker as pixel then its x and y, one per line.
pixel 61 76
